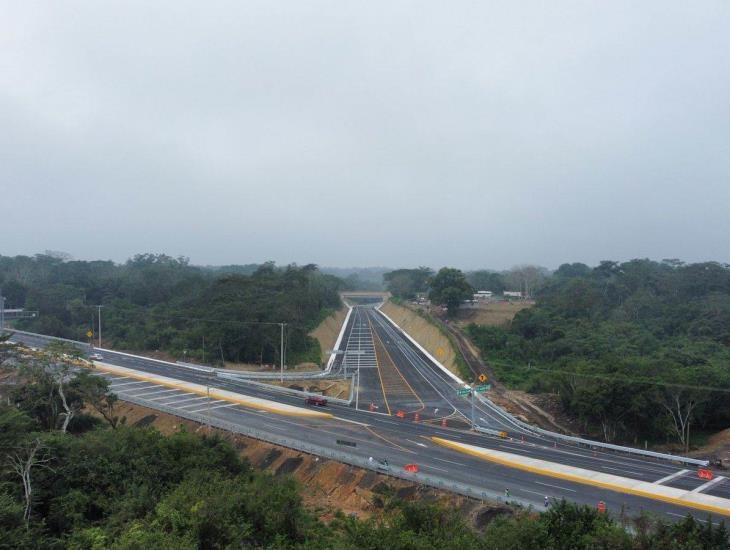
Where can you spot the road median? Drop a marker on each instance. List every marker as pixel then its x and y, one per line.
pixel 214 393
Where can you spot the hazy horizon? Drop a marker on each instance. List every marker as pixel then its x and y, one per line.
pixel 395 134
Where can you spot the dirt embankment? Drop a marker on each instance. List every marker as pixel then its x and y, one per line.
pixel 329 388
pixel 327 486
pixel 425 333
pixel 328 330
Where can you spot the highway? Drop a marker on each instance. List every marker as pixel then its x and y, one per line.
pixel 396 376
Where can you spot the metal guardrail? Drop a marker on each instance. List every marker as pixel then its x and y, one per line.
pixel 437 482
pixel 487 402
pixel 598 444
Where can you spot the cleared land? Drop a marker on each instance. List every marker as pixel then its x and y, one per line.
pixel 491 314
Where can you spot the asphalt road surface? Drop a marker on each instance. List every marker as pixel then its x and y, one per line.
pixel 403 440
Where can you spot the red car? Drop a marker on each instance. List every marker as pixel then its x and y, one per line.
pixel 316 401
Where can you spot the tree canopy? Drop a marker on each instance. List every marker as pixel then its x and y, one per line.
pixel 156 302
pixel 638 349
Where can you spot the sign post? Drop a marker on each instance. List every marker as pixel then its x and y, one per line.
pixel 481 388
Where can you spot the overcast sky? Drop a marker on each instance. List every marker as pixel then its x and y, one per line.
pixel 475 134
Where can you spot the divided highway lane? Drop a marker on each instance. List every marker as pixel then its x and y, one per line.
pixel 533 446
pixel 388 441
pixel 403 441
pixel 439 390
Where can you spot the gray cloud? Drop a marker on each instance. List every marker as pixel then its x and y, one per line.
pixel 472 134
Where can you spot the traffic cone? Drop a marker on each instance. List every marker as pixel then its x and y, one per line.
pixel 416 417
pixel 443 422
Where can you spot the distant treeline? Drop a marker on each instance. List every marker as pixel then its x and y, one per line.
pixel 636 350
pixel 156 302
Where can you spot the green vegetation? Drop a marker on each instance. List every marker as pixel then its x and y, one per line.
pixel 109 485
pixel 449 288
pixel 407 283
pixel 155 302
pixel 636 350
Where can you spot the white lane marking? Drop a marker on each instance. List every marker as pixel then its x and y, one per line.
pixel 113 385
pixel 143 394
pixel 417 443
pixel 718 479
pixel 449 461
pixel 556 487
pixel 351 421
pixel 212 408
pixel 175 403
pixel 435 468
pixel 670 477
pixel 685 515
pixel 178 406
pixel 162 398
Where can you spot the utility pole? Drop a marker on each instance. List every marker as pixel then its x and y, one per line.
pixel 99 308
pixel 207 393
pixel 359 353
pixel 2 311
pixel 281 354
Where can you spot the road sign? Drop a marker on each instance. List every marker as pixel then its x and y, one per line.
pixel 483 387
pixel 463 391
pixel 89 334
pixel 482 377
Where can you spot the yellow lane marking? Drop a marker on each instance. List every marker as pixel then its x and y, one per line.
pixel 382 345
pixel 486 455
pixel 254 404
pixel 368 428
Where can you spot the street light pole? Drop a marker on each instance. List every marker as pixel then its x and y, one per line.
pixel 98 307
pixel 359 352
pixel 2 312
pixel 281 354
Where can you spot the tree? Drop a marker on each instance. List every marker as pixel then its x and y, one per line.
pixel 680 405
pixel 22 461
pixel 406 283
pixel 486 280
pixel 450 288
pixel 60 354
pixel 95 392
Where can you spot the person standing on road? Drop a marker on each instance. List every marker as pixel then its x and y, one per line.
pixel 506 493
pixel 547 502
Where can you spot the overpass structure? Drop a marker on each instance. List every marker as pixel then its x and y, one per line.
pixel 410 410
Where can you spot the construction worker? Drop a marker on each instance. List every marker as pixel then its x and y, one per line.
pixel 547 502
pixel 506 493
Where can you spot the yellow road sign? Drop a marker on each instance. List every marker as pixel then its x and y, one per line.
pixel 482 377
pixel 89 333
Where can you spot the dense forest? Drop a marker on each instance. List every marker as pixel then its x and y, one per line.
pixel 156 302
pixel 92 482
pixel 636 350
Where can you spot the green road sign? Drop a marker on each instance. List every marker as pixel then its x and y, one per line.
pixel 483 387
pixel 463 391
